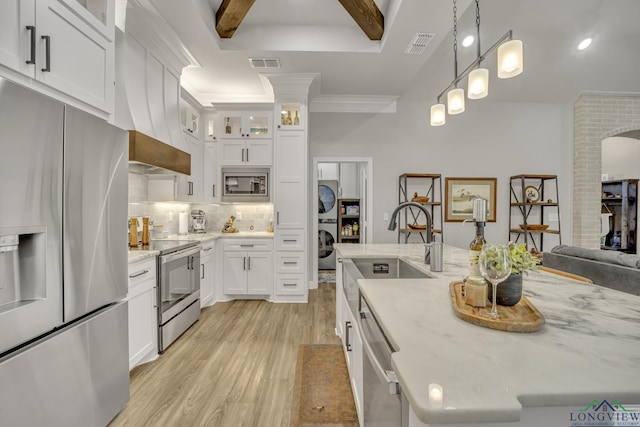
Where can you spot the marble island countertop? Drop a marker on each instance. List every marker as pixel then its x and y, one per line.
pixel 589 347
pixel 139 254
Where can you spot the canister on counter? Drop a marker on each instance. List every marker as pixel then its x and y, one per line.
pixel 475 291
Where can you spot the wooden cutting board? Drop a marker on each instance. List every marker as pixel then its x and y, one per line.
pixel 522 317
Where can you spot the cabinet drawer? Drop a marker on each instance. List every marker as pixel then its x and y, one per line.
pixel 142 271
pixel 290 240
pixel 248 244
pixel 290 284
pixel 290 262
pixel 207 251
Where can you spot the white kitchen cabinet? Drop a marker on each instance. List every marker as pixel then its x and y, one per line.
pixel 210 173
pixel 292 115
pixel 143 315
pixel 348 181
pixel 63 45
pixel 248 267
pixel 211 126
pixel 189 119
pixel 207 274
pixel 239 152
pixel 179 187
pixel 245 124
pixel 290 179
pixel 190 188
pixel 328 171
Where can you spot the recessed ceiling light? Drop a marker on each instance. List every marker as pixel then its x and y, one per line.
pixel 468 41
pixel 584 44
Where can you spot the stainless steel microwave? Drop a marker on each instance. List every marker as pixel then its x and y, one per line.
pixel 245 185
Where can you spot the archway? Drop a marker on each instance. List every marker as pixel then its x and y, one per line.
pixel 596 117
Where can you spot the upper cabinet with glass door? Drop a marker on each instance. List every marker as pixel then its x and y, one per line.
pixel 241 124
pixel 189 119
pixel 292 116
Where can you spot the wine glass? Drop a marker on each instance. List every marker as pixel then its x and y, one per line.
pixel 495 266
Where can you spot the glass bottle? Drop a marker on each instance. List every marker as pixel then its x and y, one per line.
pixel 474 249
pixel 289 120
pixel 227 128
pixel 296 120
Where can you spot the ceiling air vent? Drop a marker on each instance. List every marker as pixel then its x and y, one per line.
pixel 264 62
pixel 419 43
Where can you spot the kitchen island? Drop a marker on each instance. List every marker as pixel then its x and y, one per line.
pixel 588 350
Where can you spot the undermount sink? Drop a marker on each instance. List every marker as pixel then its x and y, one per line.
pixel 388 268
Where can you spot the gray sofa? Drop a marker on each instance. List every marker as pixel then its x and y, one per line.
pixel 612 269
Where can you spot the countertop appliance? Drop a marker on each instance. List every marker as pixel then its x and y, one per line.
pixel 63 267
pixel 382 398
pixel 245 185
pixel 178 288
pixel 198 221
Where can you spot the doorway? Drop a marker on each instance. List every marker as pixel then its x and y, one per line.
pixel 338 181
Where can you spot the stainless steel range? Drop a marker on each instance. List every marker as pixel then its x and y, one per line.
pixel 178 288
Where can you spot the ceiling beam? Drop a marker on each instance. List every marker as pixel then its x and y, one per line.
pixel 367 16
pixel 229 16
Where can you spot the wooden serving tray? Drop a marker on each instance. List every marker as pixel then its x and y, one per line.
pixel 535 227
pixel 522 317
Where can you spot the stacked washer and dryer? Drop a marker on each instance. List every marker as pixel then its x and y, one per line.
pixel 327 223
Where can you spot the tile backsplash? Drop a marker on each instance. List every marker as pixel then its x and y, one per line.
pixel 260 215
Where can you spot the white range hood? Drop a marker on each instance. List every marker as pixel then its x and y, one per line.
pixel 149 62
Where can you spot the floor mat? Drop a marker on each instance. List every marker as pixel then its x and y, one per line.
pixel 322 390
pixel 326 276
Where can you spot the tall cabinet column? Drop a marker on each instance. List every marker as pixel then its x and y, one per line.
pixel 290 186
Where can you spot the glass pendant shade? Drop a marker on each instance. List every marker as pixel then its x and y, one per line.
pixel 438 115
pixel 510 59
pixel 455 101
pixel 478 86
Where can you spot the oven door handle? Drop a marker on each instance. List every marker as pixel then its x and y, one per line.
pixel 180 254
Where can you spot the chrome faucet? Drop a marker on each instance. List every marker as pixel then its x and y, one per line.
pixel 393 224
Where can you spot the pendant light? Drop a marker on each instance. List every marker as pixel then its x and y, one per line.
pixel 455 101
pixel 438 115
pixel 455 97
pixel 510 64
pixel 478 84
pixel 510 59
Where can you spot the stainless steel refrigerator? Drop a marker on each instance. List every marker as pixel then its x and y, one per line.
pixel 63 264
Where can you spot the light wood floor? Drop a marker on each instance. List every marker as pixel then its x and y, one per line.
pixel 235 367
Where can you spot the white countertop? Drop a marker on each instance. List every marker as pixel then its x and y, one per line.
pixel 588 349
pixel 138 254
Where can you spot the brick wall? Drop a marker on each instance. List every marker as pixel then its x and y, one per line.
pixel 596 117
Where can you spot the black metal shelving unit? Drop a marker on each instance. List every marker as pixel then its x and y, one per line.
pixel 619 197
pixel 534 213
pixel 409 221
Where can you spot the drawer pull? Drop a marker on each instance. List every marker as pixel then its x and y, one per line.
pixel 133 276
pixel 207 249
pixel 47 51
pixel 289 284
pixel 290 262
pixel 290 240
pixel 247 246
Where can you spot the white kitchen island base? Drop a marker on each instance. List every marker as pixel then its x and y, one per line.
pixel 587 353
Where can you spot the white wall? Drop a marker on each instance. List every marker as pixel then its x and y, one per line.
pixel 488 140
pixel 620 158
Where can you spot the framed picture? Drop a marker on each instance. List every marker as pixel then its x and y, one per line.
pixel 460 193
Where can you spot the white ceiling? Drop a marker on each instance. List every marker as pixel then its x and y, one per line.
pixel 318 36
